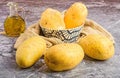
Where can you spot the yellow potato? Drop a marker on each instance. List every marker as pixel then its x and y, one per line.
pixel 63 56
pixel 97 46
pixel 52 19
pixel 75 15
pixel 30 51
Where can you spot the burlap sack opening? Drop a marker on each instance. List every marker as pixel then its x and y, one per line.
pixel 90 27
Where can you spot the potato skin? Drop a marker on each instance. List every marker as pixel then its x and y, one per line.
pixel 97 46
pixel 63 56
pixel 30 51
pixel 52 19
pixel 75 15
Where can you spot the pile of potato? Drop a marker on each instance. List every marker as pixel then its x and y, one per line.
pixel 73 17
pixel 64 56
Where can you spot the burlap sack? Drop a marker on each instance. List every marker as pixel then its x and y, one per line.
pixel 90 27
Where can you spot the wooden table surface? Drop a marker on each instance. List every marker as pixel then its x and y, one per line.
pixel 104 12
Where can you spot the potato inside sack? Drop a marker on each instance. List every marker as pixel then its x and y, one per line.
pixel 75 15
pixel 52 19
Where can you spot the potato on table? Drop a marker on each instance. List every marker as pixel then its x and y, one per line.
pixel 63 56
pixel 97 46
pixel 30 51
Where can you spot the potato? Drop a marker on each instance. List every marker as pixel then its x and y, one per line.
pixel 75 15
pixel 97 46
pixel 63 56
pixel 52 19
pixel 30 51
